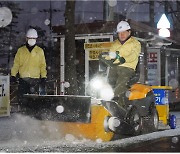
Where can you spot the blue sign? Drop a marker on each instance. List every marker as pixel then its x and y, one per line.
pixel 160 95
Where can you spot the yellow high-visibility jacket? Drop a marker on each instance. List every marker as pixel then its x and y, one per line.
pixel 130 51
pixel 29 64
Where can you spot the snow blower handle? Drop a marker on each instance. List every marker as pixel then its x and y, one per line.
pixel 102 57
pixel 114 56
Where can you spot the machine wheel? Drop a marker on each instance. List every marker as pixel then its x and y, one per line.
pixel 154 119
pixel 172 121
pixel 135 121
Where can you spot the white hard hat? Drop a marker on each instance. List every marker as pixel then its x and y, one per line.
pixel 123 26
pixel 32 33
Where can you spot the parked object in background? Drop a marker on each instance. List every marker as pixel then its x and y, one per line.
pixel 162 105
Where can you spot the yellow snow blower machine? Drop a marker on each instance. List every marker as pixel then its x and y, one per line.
pixel 95 118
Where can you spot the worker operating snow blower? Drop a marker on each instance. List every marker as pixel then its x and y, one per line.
pixel 128 102
pixel 122 60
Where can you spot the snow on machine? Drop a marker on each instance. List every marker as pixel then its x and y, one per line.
pixel 93 117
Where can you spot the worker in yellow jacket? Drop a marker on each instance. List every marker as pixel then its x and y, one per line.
pixel 30 64
pixel 127 50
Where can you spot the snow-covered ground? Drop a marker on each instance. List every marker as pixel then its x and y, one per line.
pixel 23 134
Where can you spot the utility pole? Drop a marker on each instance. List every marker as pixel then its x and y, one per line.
pixel 50 16
pixel 151 13
pixel 50 43
pixel 70 51
pixel 108 12
pixel 166 7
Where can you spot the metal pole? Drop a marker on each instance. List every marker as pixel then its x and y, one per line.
pixel 108 12
pixel 166 7
pixel 151 13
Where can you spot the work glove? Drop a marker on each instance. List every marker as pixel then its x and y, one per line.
pixel 121 59
pixel 112 55
pixel 43 81
pixel 13 80
pixel 116 56
pixel 102 59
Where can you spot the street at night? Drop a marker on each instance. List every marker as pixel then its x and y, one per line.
pixel 89 76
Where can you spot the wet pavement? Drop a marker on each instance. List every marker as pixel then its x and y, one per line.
pixel 164 144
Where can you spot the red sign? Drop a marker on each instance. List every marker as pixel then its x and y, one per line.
pixel 152 57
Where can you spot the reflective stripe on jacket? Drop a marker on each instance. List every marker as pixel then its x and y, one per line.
pixel 130 51
pixel 29 64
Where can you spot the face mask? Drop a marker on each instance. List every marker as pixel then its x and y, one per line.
pixel 31 42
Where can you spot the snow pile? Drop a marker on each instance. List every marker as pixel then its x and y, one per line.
pixel 24 130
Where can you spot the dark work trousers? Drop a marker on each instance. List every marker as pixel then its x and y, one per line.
pixel 118 78
pixel 27 86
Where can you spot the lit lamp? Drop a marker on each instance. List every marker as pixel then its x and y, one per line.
pixel 163 25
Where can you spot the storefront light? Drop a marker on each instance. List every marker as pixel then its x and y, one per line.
pixel 164 32
pixel 163 22
pixel 163 25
